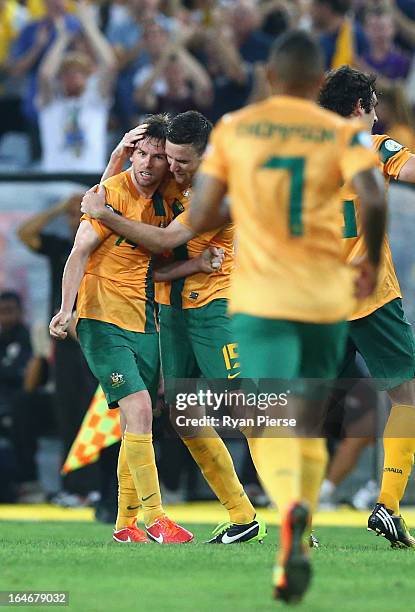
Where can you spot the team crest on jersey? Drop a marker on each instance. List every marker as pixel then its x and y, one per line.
pixel 392 145
pixel 193 295
pixel 117 379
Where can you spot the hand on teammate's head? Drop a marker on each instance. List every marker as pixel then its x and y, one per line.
pixel 133 136
pixel 126 146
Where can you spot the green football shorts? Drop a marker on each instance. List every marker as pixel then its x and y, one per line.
pixel 123 362
pixel 282 349
pixel 198 341
pixel 386 343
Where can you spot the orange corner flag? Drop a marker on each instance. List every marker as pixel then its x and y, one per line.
pixel 100 428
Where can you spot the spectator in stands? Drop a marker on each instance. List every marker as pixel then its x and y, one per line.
pixel 404 15
pixel 15 352
pixel 13 17
pixel 75 385
pixel 382 54
pixel 74 101
pixel 277 16
pixel 232 76
pixel 29 50
pixel 234 47
pixel 343 41
pixel 125 32
pixel 245 21
pixel 174 83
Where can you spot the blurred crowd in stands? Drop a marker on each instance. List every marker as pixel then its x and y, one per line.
pixel 74 76
pixel 74 73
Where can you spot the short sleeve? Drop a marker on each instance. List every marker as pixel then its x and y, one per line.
pixel 393 156
pixel 102 231
pixel 357 154
pixel 115 204
pixel 215 162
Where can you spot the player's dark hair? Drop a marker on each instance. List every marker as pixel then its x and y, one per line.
pixel 157 126
pixel 340 7
pixel 297 58
pixel 343 89
pixel 7 296
pixel 191 128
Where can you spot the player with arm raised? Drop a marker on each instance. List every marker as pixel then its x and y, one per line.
pixel 195 334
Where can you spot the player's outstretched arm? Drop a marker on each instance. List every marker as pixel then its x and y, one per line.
pixel 86 241
pixel 155 239
pixel 208 207
pixel 207 262
pixel 370 188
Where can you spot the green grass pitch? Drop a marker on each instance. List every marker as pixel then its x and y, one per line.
pixel 354 571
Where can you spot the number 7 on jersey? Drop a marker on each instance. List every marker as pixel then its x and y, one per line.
pixel 295 167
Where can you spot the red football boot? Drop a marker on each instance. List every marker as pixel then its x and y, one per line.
pixel 130 535
pixel 293 573
pixel 165 531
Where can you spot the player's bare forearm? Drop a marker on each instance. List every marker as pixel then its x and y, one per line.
pixel 86 241
pixel 72 276
pixel 115 165
pixel 208 208
pixel 177 269
pixel 370 188
pixel 148 236
pixel 123 151
pixel 407 173
pixel 210 260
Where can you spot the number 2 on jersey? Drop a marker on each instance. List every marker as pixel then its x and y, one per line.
pixel 295 166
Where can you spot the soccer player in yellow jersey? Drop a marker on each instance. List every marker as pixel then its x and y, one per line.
pixel 378 329
pixel 117 329
pixel 282 163
pixel 195 334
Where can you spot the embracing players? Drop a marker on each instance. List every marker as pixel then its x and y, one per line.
pixel 195 334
